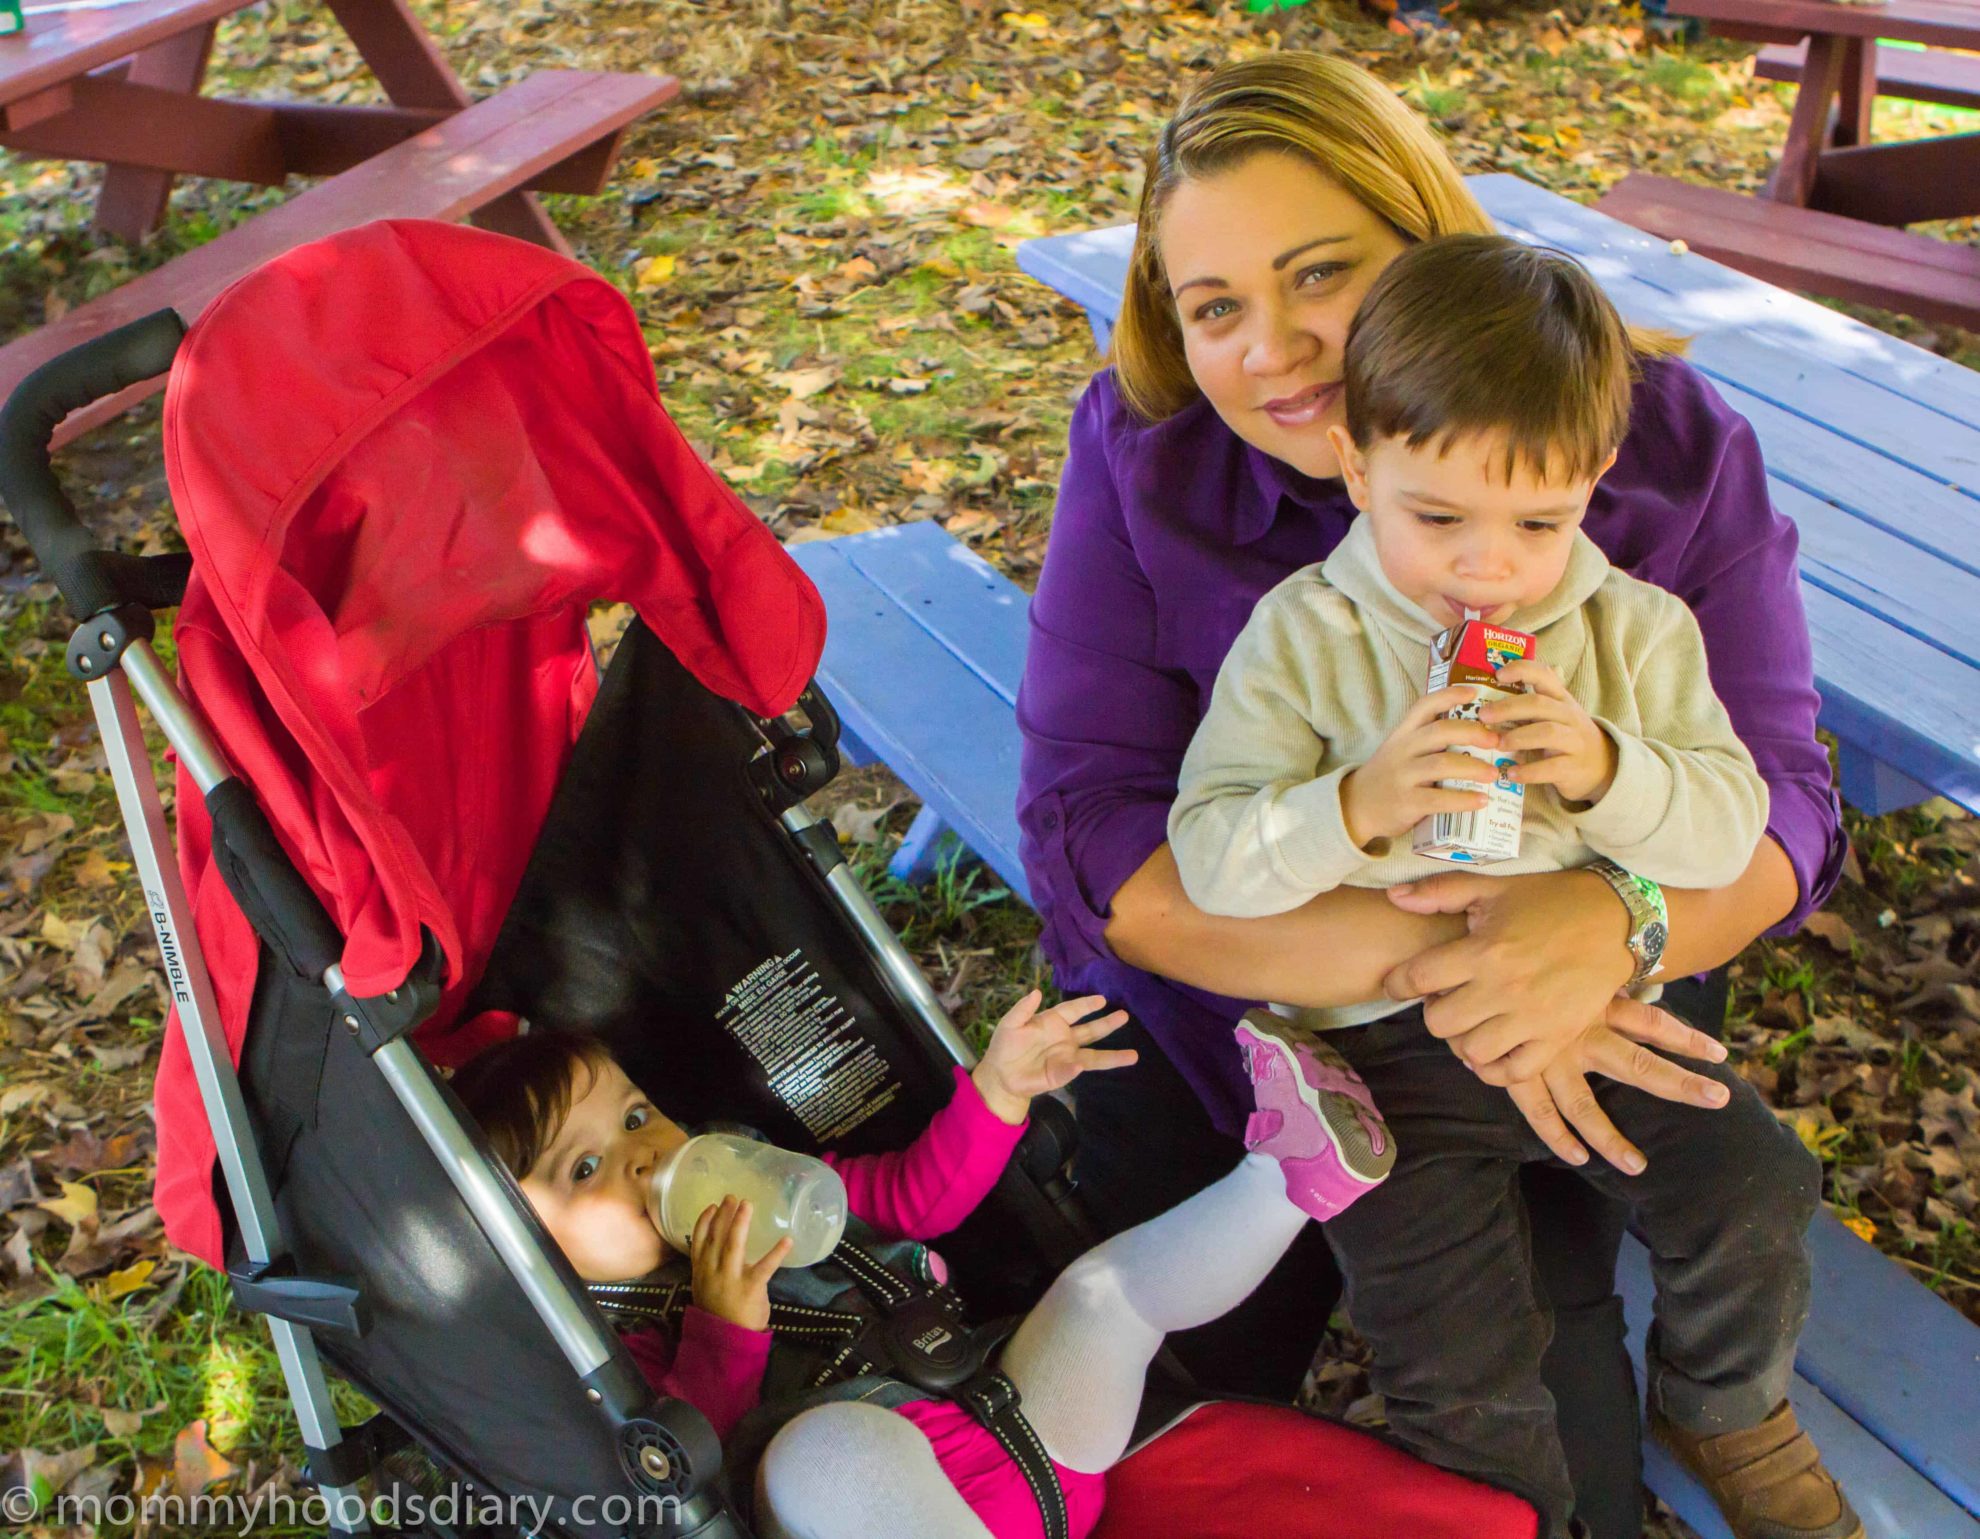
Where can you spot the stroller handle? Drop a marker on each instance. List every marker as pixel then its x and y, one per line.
pixel 90 579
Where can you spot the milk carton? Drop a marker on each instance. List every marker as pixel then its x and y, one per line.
pixel 1472 652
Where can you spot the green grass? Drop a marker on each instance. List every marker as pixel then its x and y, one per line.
pixel 69 1354
pixel 962 924
pixel 1682 79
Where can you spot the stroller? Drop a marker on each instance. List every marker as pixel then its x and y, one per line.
pixel 411 814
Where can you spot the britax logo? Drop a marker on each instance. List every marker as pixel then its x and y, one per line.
pixel 168 947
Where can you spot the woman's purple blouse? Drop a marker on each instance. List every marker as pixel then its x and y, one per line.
pixel 1165 537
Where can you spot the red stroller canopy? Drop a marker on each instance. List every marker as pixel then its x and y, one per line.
pixel 406 459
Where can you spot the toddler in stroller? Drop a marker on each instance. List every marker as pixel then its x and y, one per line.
pixel 409 810
pixel 852 1450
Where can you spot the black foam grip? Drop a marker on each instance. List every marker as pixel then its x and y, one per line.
pixel 90 580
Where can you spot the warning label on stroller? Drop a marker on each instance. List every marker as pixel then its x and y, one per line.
pixel 807 1041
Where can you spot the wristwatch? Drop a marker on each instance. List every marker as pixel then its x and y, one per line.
pixel 1649 919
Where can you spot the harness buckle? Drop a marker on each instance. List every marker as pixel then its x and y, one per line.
pixel 989 1395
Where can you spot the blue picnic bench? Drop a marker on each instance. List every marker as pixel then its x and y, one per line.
pixel 1871 445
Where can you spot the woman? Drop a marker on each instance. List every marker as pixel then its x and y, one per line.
pixel 1199 474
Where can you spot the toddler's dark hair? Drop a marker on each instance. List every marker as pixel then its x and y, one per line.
pixel 521 1090
pixel 1477 333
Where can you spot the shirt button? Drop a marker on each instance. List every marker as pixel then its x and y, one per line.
pixel 1050 820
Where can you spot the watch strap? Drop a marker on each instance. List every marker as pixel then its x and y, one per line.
pixel 1649 916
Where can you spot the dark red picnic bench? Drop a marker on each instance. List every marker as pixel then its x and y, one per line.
pixel 1831 218
pixel 120 86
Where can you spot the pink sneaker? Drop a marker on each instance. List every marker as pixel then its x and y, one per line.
pixel 1315 1117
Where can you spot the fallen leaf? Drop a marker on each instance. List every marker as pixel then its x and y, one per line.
pixel 969 524
pixel 77 1203
pixel 44 829
pixel 1001 219
pixel 861 824
pixel 195 1466
pixel 848 520
pixel 19 1251
pixel 53 1472
pixel 17 1185
pixel 806 383
pixel 907 386
pixel 120 1057
pixel 654 271
pixel 64 933
pixel 1832 929
pixel 96 869
pixel 1860 1226
pixel 121 1423
pixel 129 1279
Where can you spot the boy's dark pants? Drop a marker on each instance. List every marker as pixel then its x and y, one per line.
pixel 1440 1278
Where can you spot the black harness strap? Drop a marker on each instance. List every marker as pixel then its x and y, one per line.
pixel 993 1400
pixel 920 1339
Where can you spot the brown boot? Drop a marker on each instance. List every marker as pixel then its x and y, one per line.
pixel 1767 1480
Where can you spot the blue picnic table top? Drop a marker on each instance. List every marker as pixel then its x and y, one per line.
pixel 1872 448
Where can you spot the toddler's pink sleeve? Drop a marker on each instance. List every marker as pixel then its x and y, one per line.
pixel 715 1366
pixel 936 1182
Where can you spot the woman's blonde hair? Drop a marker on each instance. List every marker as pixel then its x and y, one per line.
pixel 1332 114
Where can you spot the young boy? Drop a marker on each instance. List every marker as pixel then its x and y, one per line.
pixel 1487 389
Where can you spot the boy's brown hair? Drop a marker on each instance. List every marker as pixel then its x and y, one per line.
pixel 521 1090
pixel 1477 333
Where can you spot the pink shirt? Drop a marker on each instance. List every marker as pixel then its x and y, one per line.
pixel 916 1193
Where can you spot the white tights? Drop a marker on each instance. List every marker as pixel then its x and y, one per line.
pixel 852 1471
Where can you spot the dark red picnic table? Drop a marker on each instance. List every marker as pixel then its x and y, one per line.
pixel 1828 161
pixel 1830 219
pixel 119 84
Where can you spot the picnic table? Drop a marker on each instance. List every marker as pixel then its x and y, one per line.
pixel 1830 218
pixel 119 84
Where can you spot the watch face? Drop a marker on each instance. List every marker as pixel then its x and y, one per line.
pixel 1654 936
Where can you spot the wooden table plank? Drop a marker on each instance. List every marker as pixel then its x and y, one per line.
pixel 1944 23
pixel 961 601
pixel 1715 298
pixel 132 200
pixel 1892 579
pixel 1895 1500
pixel 1891 696
pixel 888 679
pixel 64 44
pixel 448 171
pixel 1898 1358
pixel 1952 79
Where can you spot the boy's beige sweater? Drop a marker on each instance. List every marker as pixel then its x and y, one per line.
pixel 1329 662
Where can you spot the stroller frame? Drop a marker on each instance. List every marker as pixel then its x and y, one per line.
pixel 667 1449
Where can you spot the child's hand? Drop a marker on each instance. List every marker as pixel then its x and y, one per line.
pixel 724 1283
pixel 1568 748
pixel 1397 788
pixel 1033 1051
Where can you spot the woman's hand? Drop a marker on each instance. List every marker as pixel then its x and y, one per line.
pixel 1401 783
pixel 1543 956
pixel 1560 743
pixel 1032 1051
pixel 724 1283
pixel 1559 1102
